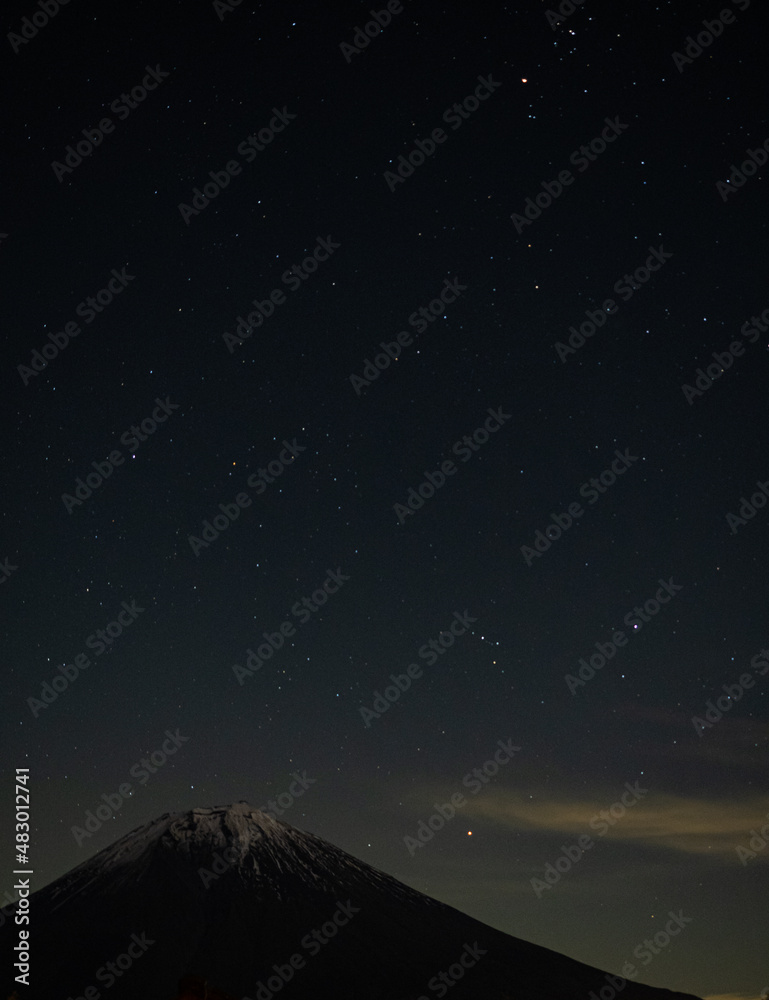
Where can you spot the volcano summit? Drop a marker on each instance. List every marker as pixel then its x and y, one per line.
pixel 262 910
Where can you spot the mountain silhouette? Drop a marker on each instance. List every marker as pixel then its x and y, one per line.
pixel 259 910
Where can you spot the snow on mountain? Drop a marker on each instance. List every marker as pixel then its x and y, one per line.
pixel 263 910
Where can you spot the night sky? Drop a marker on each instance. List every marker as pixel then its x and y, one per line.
pixel 471 499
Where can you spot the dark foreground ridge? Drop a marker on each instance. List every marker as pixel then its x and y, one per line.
pixel 262 910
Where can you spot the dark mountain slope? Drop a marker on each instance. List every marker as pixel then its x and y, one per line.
pixel 232 894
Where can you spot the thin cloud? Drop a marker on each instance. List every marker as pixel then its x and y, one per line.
pixel 734 741
pixel 692 826
pixel 731 996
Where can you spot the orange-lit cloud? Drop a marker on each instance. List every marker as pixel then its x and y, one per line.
pixel 693 826
pixel 731 996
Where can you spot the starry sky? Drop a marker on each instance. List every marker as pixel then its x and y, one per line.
pixel 351 410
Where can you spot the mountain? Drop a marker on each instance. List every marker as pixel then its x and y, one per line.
pixel 262 910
